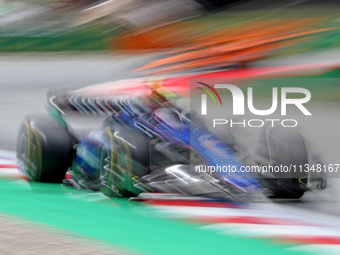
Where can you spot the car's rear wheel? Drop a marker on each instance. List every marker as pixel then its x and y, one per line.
pixel 123 159
pixel 44 149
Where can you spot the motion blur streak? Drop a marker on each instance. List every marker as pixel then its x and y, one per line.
pixel 122 133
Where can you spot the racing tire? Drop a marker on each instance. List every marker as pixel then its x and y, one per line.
pixel 284 147
pixel 44 149
pixel 123 159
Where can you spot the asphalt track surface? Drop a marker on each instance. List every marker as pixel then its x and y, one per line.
pixel 25 80
pixel 22 237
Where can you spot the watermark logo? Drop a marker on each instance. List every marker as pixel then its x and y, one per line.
pixel 204 97
pixel 240 101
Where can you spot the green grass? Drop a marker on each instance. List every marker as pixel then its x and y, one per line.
pixel 122 223
pixel 92 36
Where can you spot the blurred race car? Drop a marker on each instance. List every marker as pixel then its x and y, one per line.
pixel 149 144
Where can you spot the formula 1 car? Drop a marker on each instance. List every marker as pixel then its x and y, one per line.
pixel 149 144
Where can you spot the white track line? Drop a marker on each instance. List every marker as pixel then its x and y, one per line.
pixel 7 154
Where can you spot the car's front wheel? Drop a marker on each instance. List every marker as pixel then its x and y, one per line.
pixel 285 149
